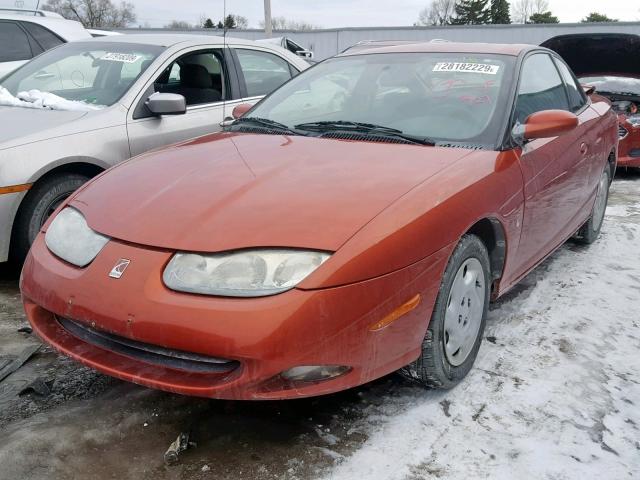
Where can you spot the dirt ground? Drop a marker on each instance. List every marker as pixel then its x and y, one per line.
pixel 555 394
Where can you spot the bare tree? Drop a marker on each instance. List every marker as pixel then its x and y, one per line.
pixel 282 23
pixel 178 25
pixel 439 12
pixel 523 9
pixel 241 22
pixel 94 13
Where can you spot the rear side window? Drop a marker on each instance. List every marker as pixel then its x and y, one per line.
pixel 574 90
pixel 44 37
pixel 14 43
pixel 541 87
pixel 263 72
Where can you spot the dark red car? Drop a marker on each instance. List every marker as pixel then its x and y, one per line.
pixel 355 222
pixel 610 63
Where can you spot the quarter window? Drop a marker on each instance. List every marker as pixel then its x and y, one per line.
pixel 263 72
pixel 574 90
pixel 44 37
pixel 15 44
pixel 541 88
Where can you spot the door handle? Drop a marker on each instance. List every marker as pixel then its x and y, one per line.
pixel 584 148
pixel 227 121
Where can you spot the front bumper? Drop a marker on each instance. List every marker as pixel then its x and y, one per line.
pixel 262 337
pixel 9 203
pixel 629 146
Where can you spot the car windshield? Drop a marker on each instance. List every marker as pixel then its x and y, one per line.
pixel 614 84
pixel 77 76
pixel 444 97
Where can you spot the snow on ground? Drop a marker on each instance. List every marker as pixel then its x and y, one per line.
pixel 555 392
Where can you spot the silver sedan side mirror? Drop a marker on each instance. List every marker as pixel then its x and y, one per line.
pixel 166 104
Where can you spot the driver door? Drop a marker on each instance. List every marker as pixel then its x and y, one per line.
pixel 202 77
pixel 554 169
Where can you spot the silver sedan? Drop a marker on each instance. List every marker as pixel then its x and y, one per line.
pixel 85 106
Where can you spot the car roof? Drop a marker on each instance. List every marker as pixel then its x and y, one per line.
pixel 171 39
pixel 68 30
pixel 444 47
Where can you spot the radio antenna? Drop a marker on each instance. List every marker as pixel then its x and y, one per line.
pixel 225 57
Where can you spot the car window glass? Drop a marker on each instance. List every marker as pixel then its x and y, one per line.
pixel 82 72
pixel 44 37
pixel 14 44
pixel 197 76
pixel 263 72
pixel 540 88
pixel 444 96
pixel 574 90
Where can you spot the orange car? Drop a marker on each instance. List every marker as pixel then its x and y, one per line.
pixel 355 222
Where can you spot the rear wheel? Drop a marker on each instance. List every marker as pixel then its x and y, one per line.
pixel 590 231
pixel 457 323
pixel 41 201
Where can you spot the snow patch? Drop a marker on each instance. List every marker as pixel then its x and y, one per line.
pixel 43 100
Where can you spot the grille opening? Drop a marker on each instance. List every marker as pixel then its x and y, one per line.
pixel 622 132
pixel 148 353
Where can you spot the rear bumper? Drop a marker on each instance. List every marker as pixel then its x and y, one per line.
pixel 262 336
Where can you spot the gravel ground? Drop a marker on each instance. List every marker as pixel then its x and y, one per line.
pixel 554 395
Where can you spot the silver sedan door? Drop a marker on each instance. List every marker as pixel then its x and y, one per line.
pixel 202 77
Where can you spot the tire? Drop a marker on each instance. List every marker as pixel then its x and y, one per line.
pixel 439 366
pixel 40 203
pixel 590 231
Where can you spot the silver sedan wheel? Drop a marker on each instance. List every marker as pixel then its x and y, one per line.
pixel 464 312
pixel 601 202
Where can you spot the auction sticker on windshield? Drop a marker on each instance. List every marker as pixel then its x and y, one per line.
pixel 466 67
pixel 120 57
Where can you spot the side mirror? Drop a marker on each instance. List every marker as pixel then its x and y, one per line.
pixel 545 124
pixel 589 89
pixel 240 110
pixel 166 104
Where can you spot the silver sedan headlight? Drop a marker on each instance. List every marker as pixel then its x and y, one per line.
pixel 249 273
pixel 70 238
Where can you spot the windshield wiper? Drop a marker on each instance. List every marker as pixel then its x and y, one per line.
pixel 265 122
pixel 365 129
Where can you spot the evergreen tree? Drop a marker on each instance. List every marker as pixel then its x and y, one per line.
pixel 544 17
pixel 500 12
pixel 597 17
pixel 208 24
pixel 230 22
pixel 472 12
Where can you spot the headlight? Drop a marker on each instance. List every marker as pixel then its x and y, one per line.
pixel 251 273
pixel 70 238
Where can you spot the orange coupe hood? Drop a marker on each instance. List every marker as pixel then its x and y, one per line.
pixel 231 191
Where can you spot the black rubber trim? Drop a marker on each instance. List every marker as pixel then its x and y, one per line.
pixel 144 352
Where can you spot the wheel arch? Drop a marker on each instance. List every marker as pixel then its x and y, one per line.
pixel 492 234
pixel 79 165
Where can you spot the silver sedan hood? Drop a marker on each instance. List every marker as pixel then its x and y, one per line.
pixel 26 125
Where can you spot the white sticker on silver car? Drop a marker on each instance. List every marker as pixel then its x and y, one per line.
pixel 120 57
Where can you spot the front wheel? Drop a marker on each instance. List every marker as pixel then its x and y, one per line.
pixel 457 323
pixel 37 207
pixel 590 231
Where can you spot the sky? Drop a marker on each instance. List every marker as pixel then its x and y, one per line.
pixel 339 13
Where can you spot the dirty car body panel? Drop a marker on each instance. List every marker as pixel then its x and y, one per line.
pixel 387 212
